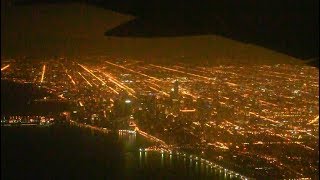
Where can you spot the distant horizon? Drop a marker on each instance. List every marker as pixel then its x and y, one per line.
pixel 86 38
pixel 288 27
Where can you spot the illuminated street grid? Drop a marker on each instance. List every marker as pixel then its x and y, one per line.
pixel 256 120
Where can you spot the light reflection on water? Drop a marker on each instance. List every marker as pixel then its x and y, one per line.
pixel 140 158
pixel 162 157
pixel 168 163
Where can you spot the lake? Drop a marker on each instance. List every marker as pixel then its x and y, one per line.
pixel 70 152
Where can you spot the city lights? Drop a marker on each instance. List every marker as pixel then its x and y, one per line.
pixel 216 115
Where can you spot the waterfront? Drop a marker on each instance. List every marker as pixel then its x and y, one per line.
pixel 69 152
pixel 214 85
pixel 246 121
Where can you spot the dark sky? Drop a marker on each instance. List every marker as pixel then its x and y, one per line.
pixel 286 26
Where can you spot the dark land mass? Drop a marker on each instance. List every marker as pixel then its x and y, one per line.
pixel 21 99
pixel 288 26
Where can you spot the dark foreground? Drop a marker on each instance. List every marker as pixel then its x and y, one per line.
pixel 58 152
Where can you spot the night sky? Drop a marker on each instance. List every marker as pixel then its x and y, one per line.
pixel 288 26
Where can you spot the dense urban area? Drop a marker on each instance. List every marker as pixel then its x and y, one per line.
pixel 259 121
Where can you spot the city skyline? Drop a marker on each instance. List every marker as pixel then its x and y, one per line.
pixel 163 89
pixel 199 109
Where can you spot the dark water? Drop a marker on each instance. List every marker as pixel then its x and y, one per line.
pixel 19 99
pixel 72 153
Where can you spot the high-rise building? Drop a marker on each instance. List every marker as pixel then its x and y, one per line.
pixel 175 98
pixel 176 85
pixel 175 90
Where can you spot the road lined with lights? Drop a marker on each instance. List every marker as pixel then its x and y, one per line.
pixel 190 157
pixel 223 110
pixel 43 72
pixel 5 67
